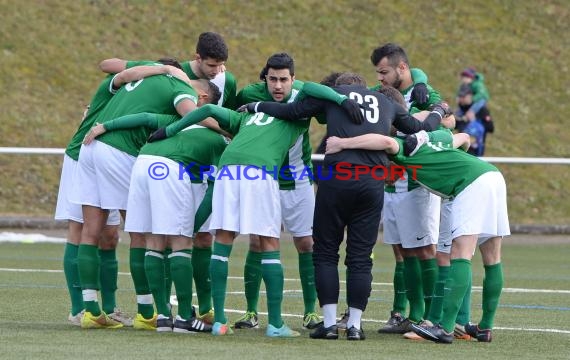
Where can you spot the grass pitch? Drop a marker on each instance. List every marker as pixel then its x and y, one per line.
pixel 532 321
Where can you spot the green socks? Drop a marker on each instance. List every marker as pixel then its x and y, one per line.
pixel 201 268
pixel 455 289
pixel 144 296
pixel 400 299
pixel 108 276
pixel 219 277
pixel 88 266
pixel 154 269
pixel 181 270
pixel 492 287
pixel 436 306
pixel 71 272
pixel 414 288
pixel 464 314
pixel 252 279
pixel 272 272
pixel 307 275
pixel 167 276
pixel 429 277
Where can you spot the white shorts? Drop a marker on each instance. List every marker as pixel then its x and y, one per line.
pixel 411 218
pixel 246 206
pixel 164 206
pixel 481 208
pixel 297 210
pixel 65 209
pixel 445 238
pixel 103 177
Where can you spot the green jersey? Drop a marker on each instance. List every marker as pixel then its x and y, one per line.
pixel 260 140
pixel 225 81
pixel 443 170
pixel 155 94
pixel 298 158
pixel 404 185
pixel 102 96
pixel 194 148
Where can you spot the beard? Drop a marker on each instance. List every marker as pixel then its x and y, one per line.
pixel 397 82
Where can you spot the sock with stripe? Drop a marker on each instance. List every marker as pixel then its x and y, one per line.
pixel 181 270
pixel 144 296
pixel 219 277
pixel 272 273
pixel 88 264
pixel 154 269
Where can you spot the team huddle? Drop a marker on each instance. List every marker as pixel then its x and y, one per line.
pixel 153 127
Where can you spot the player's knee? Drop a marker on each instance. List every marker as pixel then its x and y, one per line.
pixel 109 237
pixel 303 244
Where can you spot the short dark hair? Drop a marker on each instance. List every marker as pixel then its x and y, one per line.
pixel 395 53
pixel 330 79
pixel 214 93
pixel 169 61
pixel 393 94
pixel 212 45
pixel 349 78
pixel 278 61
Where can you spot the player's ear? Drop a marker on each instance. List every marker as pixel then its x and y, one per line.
pixel 197 57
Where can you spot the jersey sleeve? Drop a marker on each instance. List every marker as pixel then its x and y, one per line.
pixel 297 110
pixel 408 124
pixel 183 91
pixel 130 121
pixel 222 115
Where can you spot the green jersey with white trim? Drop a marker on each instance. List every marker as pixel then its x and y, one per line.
pixel 155 94
pixel 260 140
pixel 194 148
pixel 102 96
pixel 298 158
pixel 403 185
pixel 443 170
pixel 225 81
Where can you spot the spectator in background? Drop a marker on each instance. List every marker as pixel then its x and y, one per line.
pixel 479 126
pixel 476 82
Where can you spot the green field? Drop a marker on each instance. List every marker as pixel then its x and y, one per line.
pixel 530 324
pixel 49 51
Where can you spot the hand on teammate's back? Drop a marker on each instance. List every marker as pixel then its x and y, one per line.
pixel 159 134
pixel 249 107
pixel 420 94
pixel 353 110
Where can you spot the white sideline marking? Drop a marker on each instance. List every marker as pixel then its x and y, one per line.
pixel 475 288
pixel 29 238
pixel 557 331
